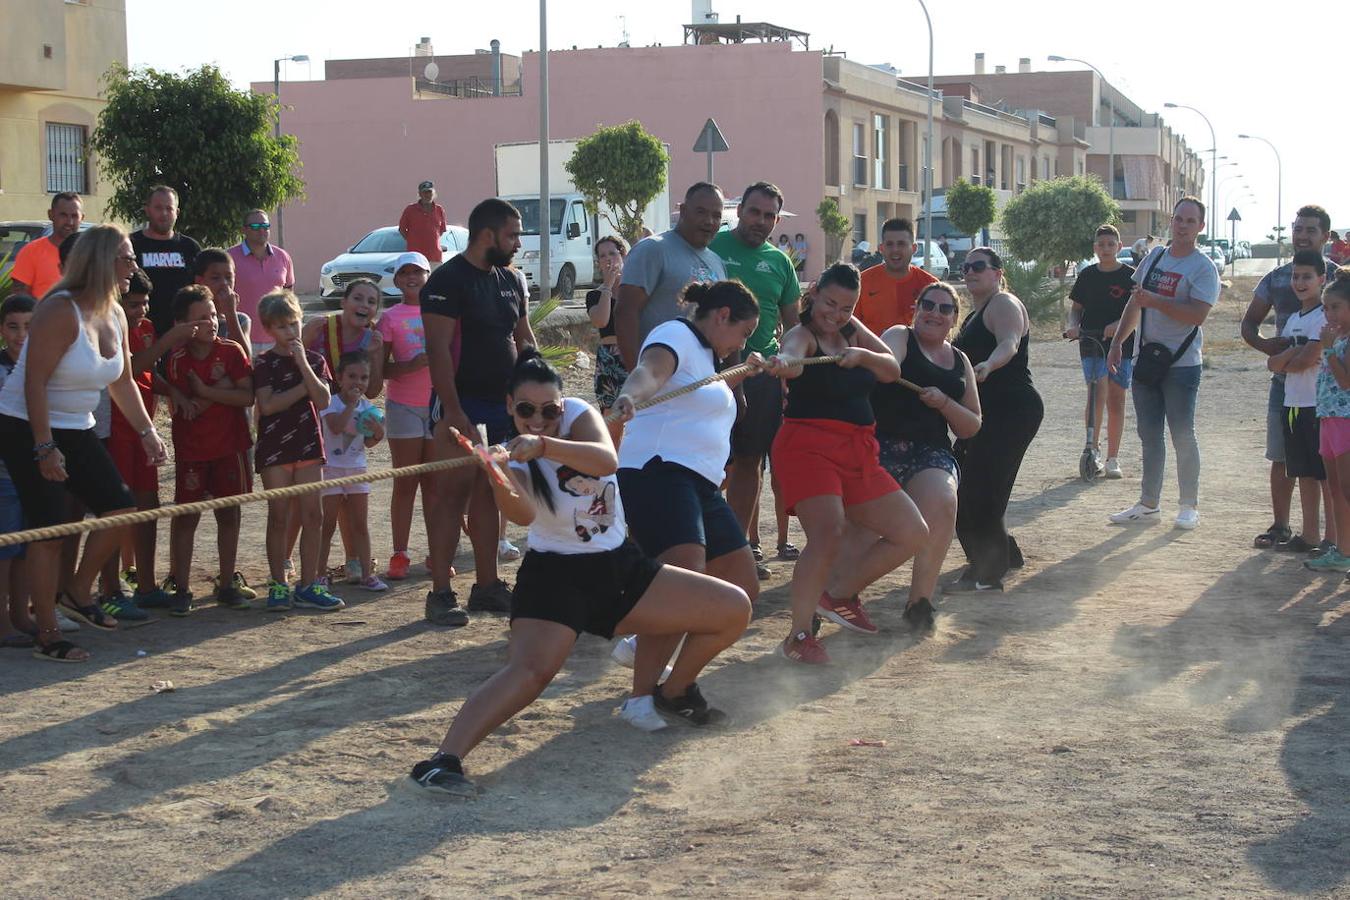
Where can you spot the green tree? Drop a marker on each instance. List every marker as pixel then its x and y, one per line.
pixel 971 207
pixel 836 227
pixel 1056 220
pixel 619 170
pixel 206 140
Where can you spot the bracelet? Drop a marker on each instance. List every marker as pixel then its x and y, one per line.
pixel 149 428
pixel 543 446
pixel 43 450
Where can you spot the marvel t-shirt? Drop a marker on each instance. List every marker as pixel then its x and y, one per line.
pixel 1103 296
pixel 488 305
pixel 169 265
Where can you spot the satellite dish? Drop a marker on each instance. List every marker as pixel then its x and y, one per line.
pixel 432 71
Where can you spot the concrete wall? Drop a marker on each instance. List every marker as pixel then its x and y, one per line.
pixel 366 143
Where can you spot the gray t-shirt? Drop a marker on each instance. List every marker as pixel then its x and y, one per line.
pixel 1275 289
pixel 662 265
pixel 1190 277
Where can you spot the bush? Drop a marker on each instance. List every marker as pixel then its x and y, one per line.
pixel 1042 295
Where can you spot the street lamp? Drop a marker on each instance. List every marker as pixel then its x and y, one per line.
pixel 276 94
pixel 1214 161
pixel 928 148
pixel 1111 129
pixel 1279 195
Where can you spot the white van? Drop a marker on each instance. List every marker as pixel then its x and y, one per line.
pixel 571 255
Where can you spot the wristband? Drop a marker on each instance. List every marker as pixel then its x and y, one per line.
pixel 43 450
pixel 543 446
pixel 148 429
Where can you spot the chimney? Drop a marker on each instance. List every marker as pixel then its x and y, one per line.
pixel 496 46
pixel 979 63
pixel 1000 70
pixel 423 48
pixel 1024 64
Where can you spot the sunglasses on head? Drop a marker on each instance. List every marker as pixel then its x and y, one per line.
pixel 258 226
pixel 549 411
pixel 929 305
pixel 977 266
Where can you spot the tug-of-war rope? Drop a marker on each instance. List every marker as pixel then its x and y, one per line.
pixel 142 516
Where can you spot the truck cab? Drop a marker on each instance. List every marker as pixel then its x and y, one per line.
pixel 571 243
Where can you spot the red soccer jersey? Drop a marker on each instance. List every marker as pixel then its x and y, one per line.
pixel 220 430
pixel 142 338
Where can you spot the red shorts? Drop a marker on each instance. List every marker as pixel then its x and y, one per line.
pixel 132 463
pixel 815 457
pixel 227 476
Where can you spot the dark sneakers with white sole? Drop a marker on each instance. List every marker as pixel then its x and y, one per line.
pixel 443 774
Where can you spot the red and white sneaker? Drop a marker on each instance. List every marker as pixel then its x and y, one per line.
pixel 848 613
pixel 398 566
pixel 804 648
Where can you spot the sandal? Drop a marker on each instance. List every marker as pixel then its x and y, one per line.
pixel 90 615
pixel 787 550
pixel 1272 536
pixel 58 651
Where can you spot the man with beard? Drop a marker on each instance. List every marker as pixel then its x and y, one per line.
pixel 477 295
pixel 1275 291
pixel 164 256
pixel 890 289
pixel 38 265
pixel 770 275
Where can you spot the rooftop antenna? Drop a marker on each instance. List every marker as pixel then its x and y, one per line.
pixel 624 23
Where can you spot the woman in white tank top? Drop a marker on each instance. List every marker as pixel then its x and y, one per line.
pixel 77 346
pixel 581 574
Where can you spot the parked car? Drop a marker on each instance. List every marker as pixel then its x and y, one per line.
pixel 373 257
pixel 1243 250
pixel 13 235
pixel 1216 255
pixel 937 260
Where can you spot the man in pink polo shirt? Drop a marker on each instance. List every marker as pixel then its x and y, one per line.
pixel 259 269
pixel 423 223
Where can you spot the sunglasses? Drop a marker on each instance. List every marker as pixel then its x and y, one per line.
pixel 549 411
pixel 258 226
pixel 977 266
pixel 929 305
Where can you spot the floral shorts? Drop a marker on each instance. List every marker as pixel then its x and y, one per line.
pixel 905 459
pixel 609 375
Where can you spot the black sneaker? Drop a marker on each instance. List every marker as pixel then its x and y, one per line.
pixel 444 774
pixel 919 616
pixel 231 598
pixel 443 609
pixel 181 605
pixel 691 708
pixel 496 598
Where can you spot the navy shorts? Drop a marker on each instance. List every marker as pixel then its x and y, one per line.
pixel 667 505
pixel 491 413
pixel 11 519
pixel 591 592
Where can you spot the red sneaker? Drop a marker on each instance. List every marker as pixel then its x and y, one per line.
pixel 398 566
pixel 804 648
pixel 848 613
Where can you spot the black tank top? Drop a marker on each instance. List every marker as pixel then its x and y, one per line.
pixel 828 392
pixel 901 415
pixel 977 342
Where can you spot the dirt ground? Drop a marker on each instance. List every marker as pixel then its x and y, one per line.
pixel 1144 712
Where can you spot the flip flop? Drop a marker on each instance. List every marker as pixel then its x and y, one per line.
pixel 57 652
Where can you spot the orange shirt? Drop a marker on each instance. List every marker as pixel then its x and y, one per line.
pixel 885 301
pixel 38 265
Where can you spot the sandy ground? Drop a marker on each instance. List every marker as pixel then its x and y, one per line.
pixel 1144 712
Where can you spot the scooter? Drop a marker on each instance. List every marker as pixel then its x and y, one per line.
pixel 1090 466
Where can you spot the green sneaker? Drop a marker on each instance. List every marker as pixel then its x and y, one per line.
pixel 278 596
pixel 1331 561
pixel 120 606
pixel 238 584
pixel 317 596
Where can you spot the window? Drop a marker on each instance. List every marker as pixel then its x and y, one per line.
pixel 859 228
pixel 881 136
pixel 1045 167
pixel 65 159
pixel 1021 172
pixel 860 154
pixel 831 149
pixel 974 165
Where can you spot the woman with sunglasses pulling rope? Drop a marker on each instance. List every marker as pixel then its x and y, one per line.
pixel 994 337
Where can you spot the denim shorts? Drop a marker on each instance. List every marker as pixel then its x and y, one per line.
pixel 11 518
pixel 1095 368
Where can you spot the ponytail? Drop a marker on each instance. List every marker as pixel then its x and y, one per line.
pixel 707 296
pixel 532 367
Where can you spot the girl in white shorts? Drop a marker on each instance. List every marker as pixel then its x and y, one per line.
pixel 351 424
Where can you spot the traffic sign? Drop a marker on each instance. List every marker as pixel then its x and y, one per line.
pixel 1235 216
pixel 710 141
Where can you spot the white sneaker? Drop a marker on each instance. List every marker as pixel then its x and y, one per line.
pixel 1188 518
pixel 640 712
pixel 1113 468
pixel 1139 513
pixel 507 551
pixel 65 623
pixel 625 651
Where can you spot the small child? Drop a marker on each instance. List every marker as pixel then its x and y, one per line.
pixel 350 425
pixel 17 628
pixel 211 383
pixel 1333 411
pixel 1298 363
pixel 291 384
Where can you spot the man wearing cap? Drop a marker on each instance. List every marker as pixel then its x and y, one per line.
pixel 423 223
pixel 259 269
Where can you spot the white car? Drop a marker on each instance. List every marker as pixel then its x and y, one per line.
pixel 937 260
pixel 373 257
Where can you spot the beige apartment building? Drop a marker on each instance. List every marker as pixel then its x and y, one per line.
pixel 55 53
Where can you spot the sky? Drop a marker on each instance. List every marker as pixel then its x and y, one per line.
pixel 1244 71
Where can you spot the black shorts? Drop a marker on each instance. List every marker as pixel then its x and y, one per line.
pixel 905 459
pixel 667 505
pixel 1302 439
pixel 492 414
pixel 584 591
pixel 91 476
pixel 754 431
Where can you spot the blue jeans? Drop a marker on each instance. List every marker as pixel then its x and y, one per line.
pixel 1173 401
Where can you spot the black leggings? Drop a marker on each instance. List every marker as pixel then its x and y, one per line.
pixel 989 463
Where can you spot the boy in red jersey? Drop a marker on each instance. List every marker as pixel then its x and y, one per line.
pixel 210 441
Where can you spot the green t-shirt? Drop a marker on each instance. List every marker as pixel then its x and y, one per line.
pixel 770 276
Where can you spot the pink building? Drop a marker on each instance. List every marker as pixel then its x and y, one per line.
pixel 365 143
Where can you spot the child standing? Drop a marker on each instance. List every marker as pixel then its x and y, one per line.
pixel 17 627
pixel 350 425
pixel 214 380
pixel 291 385
pixel 1333 411
pixel 1298 363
